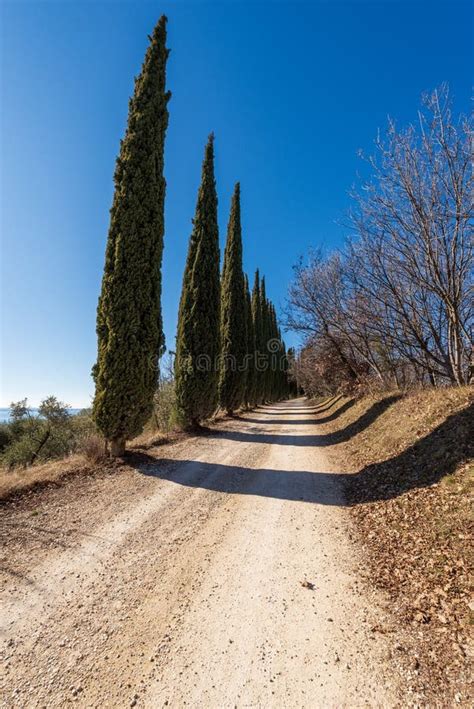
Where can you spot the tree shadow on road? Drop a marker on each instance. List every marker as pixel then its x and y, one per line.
pixel 284 409
pixel 309 408
pixel 302 486
pixel 307 421
pixel 282 422
pixel 422 464
pixel 321 440
pixel 327 404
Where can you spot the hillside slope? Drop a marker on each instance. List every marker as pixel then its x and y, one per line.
pixel 410 498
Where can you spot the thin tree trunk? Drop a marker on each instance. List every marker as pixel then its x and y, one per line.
pixel 40 446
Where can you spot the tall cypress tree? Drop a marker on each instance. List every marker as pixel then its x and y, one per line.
pixel 233 316
pixel 265 377
pixel 129 325
pixel 273 351
pixel 284 378
pixel 278 356
pixel 197 341
pixel 250 368
pixel 258 335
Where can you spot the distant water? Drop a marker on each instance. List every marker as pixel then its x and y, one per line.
pixel 5 413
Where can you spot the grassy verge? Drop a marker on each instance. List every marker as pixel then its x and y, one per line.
pixel 17 480
pixel 410 497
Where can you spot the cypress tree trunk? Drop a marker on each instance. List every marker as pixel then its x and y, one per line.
pixel 197 341
pixel 117 447
pixel 129 326
pixel 233 316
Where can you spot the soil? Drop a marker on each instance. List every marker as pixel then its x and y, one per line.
pixel 217 571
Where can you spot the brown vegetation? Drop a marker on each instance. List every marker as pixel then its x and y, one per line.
pixel 90 459
pixel 411 498
pixel 393 308
pixel 19 479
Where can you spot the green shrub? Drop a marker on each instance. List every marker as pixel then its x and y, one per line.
pixel 38 438
pixel 52 433
pixel 5 436
pixel 83 424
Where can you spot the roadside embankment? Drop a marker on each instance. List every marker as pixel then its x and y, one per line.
pixel 411 501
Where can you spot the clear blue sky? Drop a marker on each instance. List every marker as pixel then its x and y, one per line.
pixel 291 90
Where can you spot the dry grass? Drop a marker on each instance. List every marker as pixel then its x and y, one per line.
pixel 20 479
pixel 411 501
pixel 149 439
pixel 400 425
pixel 91 456
pixel 93 448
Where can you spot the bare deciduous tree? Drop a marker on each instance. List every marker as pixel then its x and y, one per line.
pixel 398 299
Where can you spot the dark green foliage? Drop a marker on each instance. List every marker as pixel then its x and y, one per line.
pixel 258 336
pixel 83 425
pixel 278 387
pixel 292 373
pixel 264 381
pixel 270 381
pixel 5 436
pixel 233 315
pixel 279 377
pixel 50 434
pixel 250 367
pixel 287 384
pixel 197 341
pixel 129 326
pixel 274 347
pixel 29 438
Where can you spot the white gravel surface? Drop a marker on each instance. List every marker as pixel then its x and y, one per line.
pixel 214 572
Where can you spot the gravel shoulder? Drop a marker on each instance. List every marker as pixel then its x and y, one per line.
pixel 217 571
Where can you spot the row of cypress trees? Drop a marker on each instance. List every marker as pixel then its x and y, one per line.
pixel 212 320
pixel 229 351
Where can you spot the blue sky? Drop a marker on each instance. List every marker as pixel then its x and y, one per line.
pixel 291 90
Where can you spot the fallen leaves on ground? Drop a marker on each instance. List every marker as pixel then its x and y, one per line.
pixel 411 501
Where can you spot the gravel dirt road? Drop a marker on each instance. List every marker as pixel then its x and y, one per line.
pixel 217 571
